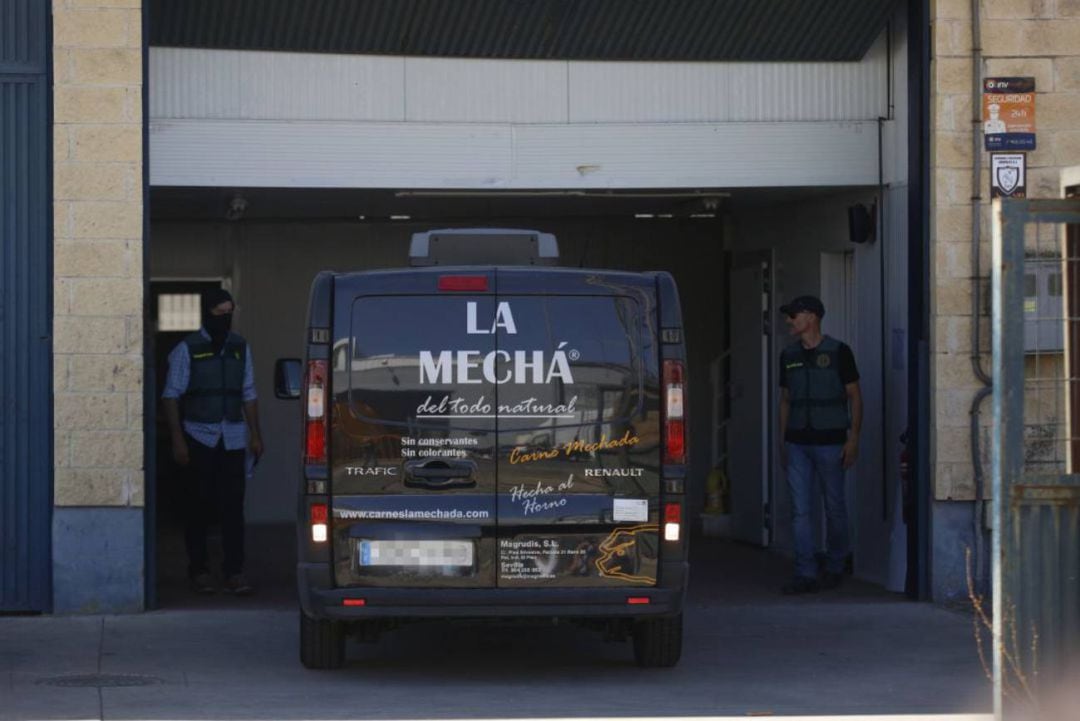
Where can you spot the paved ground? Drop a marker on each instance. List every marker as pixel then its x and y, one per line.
pixel 748 651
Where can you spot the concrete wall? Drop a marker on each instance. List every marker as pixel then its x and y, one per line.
pixel 270 267
pixel 98 305
pixel 1019 38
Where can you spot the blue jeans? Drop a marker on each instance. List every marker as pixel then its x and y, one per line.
pixel 805 464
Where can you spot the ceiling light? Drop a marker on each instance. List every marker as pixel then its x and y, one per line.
pixel 612 194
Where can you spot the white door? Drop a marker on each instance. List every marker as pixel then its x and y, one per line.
pixel 838 295
pixel 750 427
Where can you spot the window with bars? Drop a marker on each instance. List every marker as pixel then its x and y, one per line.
pixel 179 312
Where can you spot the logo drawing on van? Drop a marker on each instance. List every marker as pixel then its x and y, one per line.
pixel 472 366
pixel 619 554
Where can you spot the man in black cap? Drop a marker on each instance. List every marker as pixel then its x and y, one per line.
pixel 211 382
pixel 820 418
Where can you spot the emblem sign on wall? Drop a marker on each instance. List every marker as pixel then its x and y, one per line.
pixel 1008 173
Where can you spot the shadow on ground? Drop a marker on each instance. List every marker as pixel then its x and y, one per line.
pixel 748 650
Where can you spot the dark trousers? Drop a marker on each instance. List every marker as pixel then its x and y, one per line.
pixel 215 481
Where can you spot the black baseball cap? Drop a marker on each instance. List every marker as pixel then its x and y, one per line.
pixel 804 302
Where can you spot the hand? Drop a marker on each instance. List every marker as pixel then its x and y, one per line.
pixel 180 451
pixel 850 453
pixel 255 445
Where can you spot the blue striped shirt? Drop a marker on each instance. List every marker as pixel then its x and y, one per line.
pixel 235 433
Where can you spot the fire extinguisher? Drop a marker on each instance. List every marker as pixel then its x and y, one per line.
pixel 717 491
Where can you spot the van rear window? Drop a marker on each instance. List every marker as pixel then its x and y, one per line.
pixel 607 347
pixel 409 354
pixel 529 361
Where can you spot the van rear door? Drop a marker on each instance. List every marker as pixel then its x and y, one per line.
pixel 578 461
pixel 413 439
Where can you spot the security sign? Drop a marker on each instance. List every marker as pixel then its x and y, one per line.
pixel 1008 175
pixel 1009 113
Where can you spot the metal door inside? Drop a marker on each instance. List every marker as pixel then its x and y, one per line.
pixel 750 430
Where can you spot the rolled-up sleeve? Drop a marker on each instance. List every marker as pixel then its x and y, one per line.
pixel 176 382
pixel 249 377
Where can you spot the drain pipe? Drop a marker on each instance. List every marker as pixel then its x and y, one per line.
pixel 976 290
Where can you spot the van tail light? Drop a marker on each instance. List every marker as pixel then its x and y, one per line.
pixel 672 521
pixel 315 413
pixel 674 418
pixel 319 513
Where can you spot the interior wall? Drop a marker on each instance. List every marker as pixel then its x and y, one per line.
pixel 800 232
pixel 269 267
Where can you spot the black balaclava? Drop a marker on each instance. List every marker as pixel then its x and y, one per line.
pixel 216 325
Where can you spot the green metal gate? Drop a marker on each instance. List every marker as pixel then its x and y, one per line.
pixel 1036 455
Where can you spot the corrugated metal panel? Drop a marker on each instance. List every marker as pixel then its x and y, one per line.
pixel 487 91
pixel 729 92
pixel 696 155
pixel 537 29
pixel 200 83
pixel 246 153
pixel 187 83
pixel 25 292
pixel 321 154
pixel 192 84
pixel 22 36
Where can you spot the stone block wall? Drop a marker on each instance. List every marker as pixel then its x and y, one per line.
pixel 98 281
pixel 1039 38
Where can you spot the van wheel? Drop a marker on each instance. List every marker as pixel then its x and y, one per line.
pixel 658 641
pixel 322 643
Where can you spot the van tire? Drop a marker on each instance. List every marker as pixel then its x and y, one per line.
pixel 658 642
pixel 322 643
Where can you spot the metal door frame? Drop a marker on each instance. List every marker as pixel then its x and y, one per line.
pixel 765 260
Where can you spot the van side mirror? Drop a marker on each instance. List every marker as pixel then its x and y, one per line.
pixel 287 378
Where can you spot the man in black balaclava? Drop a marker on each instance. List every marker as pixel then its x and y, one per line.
pixel 217 312
pixel 213 415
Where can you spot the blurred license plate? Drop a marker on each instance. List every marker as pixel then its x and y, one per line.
pixel 416 553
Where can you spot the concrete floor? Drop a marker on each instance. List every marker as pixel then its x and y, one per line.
pixel 748 651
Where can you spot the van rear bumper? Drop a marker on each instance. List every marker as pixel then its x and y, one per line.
pixel 319 600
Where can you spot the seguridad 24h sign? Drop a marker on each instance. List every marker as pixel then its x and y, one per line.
pixel 1009 114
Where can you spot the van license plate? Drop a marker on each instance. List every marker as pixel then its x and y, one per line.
pixel 416 553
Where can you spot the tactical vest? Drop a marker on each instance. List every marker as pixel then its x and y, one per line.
pixel 215 389
pixel 816 394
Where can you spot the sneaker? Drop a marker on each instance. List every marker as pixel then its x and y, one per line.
pixel 237 585
pixel 799 585
pixel 202 583
pixel 831 580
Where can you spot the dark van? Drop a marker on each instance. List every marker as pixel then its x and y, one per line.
pixel 490 441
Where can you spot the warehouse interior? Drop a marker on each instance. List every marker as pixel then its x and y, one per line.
pixel 735 255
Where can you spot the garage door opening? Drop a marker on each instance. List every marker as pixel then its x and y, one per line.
pixel 734 253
